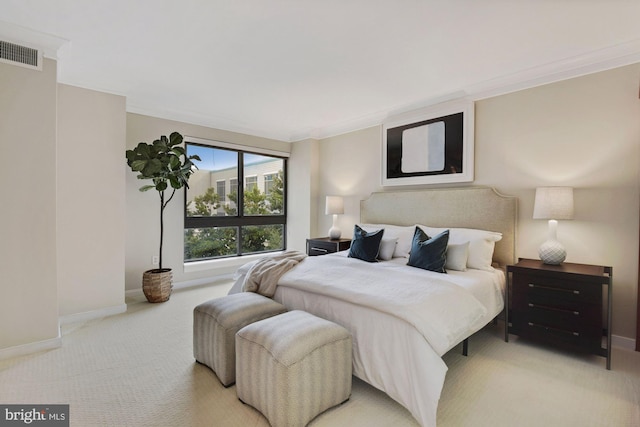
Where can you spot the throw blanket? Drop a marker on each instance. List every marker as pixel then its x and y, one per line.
pixel 264 274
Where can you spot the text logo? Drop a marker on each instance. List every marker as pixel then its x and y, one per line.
pixel 34 415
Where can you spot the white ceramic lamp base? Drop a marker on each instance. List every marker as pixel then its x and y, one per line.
pixel 552 252
pixel 334 231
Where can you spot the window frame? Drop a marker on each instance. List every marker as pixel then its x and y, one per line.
pixel 239 220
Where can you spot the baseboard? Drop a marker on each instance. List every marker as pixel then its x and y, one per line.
pixel 138 295
pixel 623 342
pixel 34 347
pixel 94 314
pixel 214 280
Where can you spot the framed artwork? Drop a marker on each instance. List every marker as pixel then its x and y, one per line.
pixel 430 146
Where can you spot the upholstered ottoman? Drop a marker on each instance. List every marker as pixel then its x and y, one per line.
pixel 215 324
pixel 293 366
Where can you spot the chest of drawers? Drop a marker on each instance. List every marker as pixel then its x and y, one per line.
pixel 567 305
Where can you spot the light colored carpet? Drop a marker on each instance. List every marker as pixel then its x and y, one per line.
pixel 137 369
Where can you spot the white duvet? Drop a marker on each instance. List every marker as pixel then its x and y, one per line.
pixel 402 319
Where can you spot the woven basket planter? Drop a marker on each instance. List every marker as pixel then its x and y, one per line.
pixel 156 284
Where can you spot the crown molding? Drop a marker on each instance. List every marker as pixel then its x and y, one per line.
pixel 595 61
pixel 215 122
pixel 592 62
pixel 48 44
pixel 599 60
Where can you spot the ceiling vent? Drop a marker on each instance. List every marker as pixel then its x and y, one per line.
pixel 23 56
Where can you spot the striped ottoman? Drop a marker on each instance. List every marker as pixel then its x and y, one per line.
pixel 293 366
pixel 215 324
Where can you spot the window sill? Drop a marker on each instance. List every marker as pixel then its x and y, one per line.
pixel 212 264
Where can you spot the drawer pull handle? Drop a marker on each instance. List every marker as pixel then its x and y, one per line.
pixel 319 249
pixel 549 288
pixel 549 328
pixel 544 307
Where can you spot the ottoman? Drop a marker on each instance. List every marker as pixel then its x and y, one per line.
pixel 215 324
pixel 293 366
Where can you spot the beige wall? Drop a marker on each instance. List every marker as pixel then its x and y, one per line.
pixel 143 209
pixel 28 288
pixel 90 200
pixel 302 217
pixel 583 132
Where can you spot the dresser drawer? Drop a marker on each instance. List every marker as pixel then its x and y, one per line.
pixel 321 248
pixel 324 245
pixel 550 289
pixel 585 318
pixel 560 336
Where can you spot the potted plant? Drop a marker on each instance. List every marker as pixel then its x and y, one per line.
pixel 165 162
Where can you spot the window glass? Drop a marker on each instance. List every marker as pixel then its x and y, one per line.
pixel 210 242
pixel 260 238
pixel 206 195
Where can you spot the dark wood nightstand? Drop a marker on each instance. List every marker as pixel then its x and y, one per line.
pixel 561 305
pixel 325 245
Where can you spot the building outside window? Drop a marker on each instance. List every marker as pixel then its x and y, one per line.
pixel 223 219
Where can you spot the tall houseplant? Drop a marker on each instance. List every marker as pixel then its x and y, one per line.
pixel 167 165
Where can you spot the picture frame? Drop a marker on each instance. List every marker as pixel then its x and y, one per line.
pixel 434 145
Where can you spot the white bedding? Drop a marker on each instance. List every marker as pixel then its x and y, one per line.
pixel 402 319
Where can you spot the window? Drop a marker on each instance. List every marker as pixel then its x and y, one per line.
pixel 251 182
pixel 234 221
pixel 222 195
pixel 268 182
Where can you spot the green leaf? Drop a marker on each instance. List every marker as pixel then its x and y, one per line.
pixel 161 186
pixel 153 167
pixel 147 187
pixel 176 139
pixel 174 162
pixel 138 165
pixel 175 182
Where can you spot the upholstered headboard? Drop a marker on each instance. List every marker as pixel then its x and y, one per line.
pixel 468 207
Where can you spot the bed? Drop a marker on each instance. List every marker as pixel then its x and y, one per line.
pixel 400 326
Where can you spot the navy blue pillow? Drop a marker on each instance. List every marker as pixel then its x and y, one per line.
pixel 429 253
pixel 365 246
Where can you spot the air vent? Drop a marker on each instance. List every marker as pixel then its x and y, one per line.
pixel 23 56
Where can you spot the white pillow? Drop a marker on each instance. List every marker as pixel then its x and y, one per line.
pixel 387 247
pixel 457 255
pixel 481 244
pixel 403 234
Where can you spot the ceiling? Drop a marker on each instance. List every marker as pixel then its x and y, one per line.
pixel 293 69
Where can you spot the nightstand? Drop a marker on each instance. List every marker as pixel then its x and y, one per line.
pixel 325 245
pixel 560 305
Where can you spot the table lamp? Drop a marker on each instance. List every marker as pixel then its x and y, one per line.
pixel 335 207
pixel 553 203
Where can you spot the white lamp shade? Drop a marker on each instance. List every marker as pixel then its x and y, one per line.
pixel 553 203
pixel 334 206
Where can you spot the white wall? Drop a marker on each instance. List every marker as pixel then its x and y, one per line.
pixel 583 132
pixel 28 288
pixel 143 209
pixel 90 200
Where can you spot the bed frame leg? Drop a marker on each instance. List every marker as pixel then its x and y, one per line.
pixel 465 347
